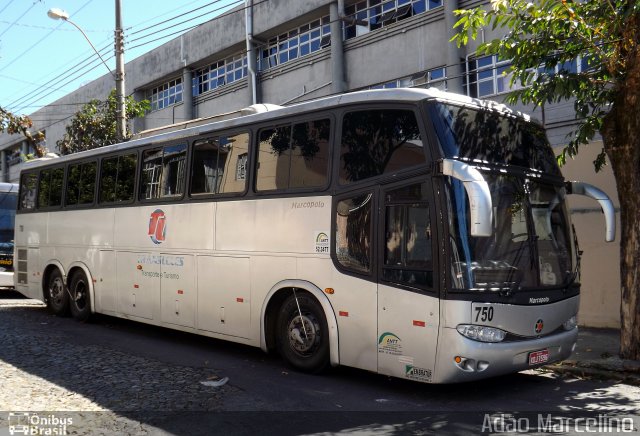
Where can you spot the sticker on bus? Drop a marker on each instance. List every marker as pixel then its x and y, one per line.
pixel 321 242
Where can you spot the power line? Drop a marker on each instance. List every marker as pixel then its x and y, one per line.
pixel 165 14
pixel 61 76
pixel 34 45
pixel 71 80
pixel 57 28
pixel 27 97
pixel 191 27
pixel 8 4
pixel 186 13
pixel 18 19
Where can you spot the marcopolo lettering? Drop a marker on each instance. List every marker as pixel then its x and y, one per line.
pixel 307 204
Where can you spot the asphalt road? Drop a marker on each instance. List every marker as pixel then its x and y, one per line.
pixel 262 394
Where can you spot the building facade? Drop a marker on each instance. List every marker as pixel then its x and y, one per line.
pixel 288 51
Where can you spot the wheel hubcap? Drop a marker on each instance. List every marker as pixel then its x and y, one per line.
pixel 80 295
pixel 56 290
pixel 304 332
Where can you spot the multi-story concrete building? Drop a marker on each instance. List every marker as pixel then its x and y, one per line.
pixel 287 51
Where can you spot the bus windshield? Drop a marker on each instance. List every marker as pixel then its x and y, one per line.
pixel 488 136
pixel 531 246
pixel 532 243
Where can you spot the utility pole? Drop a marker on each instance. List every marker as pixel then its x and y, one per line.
pixel 121 109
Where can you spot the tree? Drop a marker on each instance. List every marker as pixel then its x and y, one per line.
pixel 16 124
pixel 94 125
pixel 542 40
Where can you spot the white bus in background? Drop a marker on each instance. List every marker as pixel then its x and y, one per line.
pixel 413 233
pixel 8 202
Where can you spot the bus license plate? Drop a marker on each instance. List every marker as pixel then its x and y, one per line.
pixel 538 357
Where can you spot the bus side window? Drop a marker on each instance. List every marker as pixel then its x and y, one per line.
pixel 377 142
pixel 81 183
pixel 117 178
pixel 310 154
pixel 28 186
pixel 353 233
pixel 50 187
pixel 407 251
pixel 294 156
pixel 163 172
pixel 219 165
pixel 274 158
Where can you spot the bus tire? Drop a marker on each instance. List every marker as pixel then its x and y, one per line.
pixel 303 337
pixel 80 297
pixel 57 294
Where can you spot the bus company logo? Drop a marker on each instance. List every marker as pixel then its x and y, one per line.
pixel 388 343
pixel 157 226
pixel 539 326
pixel 415 373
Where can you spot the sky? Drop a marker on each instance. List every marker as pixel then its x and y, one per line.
pixel 42 59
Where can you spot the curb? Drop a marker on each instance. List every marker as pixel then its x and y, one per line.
pixel 595 371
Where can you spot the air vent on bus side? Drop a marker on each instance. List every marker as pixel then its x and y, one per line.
pixel 22 266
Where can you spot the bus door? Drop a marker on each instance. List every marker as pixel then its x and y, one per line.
pixel 408 306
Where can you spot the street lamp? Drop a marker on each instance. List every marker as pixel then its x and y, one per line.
pixel 121 116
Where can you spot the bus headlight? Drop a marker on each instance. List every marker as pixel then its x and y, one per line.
pixel 481 333
pixel 571 323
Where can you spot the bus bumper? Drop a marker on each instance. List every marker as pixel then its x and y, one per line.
pixel 466 360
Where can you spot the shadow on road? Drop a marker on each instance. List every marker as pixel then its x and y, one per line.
pixel 152 376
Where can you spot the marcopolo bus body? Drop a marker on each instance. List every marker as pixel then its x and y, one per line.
pixel 412 233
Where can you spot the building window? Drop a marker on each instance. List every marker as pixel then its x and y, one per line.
pixel 490 76
pixel 241 167
pixel 435 78
pixel 219 74
pixel 296 43
pixel 368 15
pixel 487 76
pixel 166 94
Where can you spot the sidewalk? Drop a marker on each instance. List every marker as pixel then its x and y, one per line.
pixel 597 356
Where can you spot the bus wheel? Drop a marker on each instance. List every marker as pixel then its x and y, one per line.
pixel 302 333
pixel 80 302
pixel 58 295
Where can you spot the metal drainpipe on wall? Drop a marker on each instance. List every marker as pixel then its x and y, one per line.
pixel 187 90
pixel 251 53
pixel 336 17
pixel 455 55
pixel 4 166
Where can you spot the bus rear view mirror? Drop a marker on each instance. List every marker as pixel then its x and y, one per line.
pixel 481 210
pixel 580 188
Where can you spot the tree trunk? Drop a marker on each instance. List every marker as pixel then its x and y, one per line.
pixel 621 136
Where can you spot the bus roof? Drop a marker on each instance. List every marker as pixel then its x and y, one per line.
pixel 267 112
